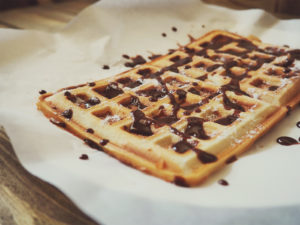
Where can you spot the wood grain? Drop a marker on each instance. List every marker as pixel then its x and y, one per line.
pixel 26 199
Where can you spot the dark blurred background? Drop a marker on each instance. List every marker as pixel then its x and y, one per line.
pixel 9 4
pixel 290 7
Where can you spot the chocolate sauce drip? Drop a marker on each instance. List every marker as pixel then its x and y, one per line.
pixel 84 157
pixel 138 60
pixel 104 142
pixel 257 83
pixel 202 53
pixel 67 113
pixel 200 65
pixel 105 67
pixel 174 29
pixel 286 63
pixel 42 92
pixel 228 104
pixel 92 144
pixel 217 42
pixel 246 44
pixel 175 58
pixel 223 182
pixel 125 56
pixel 191 106
pixel 145 72
pixel 127 82
pixel 58 123
pixel 110 91
pixel 181 94
pixel 141 124
pixel 295 54
pixel 182 146
pixel 189 51
pixel 163 118
pixel 178 63
pixel 90 130
pixel 284 140
pixel 154 56
pixel 164 34
pixel 273 51
pixel 70 96
pixel 227 120
pixel 154 93
pixel 195 128
pixel 234 85
pixel 180 181
pixel 93 101
pixel 231 159
pixel 273 88
pixel 203 77
pixel 92 84
pixel 194 91
pixel 213 67
pixel 134 102
pixel 205 157
pixel 273 72
pixel 298 124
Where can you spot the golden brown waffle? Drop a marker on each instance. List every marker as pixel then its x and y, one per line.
pixel 183 115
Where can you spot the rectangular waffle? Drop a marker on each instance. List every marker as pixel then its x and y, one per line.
pixel 185 114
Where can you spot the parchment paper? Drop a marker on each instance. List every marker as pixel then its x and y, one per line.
pixel 264 183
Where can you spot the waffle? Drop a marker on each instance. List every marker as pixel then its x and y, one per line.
pixel 183 115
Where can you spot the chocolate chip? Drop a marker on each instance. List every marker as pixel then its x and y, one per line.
pixel 105 67
pixel 90 130
pixel 42 92
pixel 67 113
pixel 84 157
pixel 104 142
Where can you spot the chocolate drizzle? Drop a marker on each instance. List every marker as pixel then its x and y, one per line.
pixel 67 113
pixel 41 92
pixel 153 93
pixel 58 123
pixel 223 182
pixel 183 146
pixel 133 103
pixel 227 120
pixel 180 181
pixel 284 140
pixel 138 60
pixel 228 104
pixel 231 159
pixel 195 128
pixel 127 82
pixel 104 142
pixel 141 124
pixel 92 144
pixel 110 91
pixel 84 157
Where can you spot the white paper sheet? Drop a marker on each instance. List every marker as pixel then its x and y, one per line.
pixel 264 183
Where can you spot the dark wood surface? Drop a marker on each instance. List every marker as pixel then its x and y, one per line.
pixel 26 199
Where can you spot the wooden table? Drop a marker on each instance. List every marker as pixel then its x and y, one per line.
pixel 24 198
